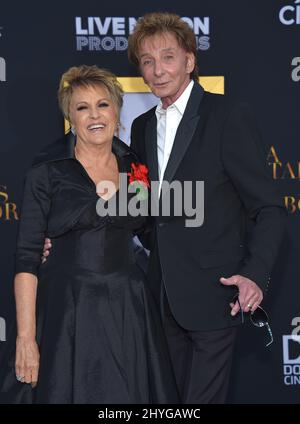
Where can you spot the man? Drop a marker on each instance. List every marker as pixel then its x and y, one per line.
pixel 193 135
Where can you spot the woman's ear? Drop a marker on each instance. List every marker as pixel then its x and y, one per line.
pixel 73 129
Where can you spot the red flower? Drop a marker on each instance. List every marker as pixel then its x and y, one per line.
pixel 139 172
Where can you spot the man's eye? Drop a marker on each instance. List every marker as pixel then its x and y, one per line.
pixel 146 62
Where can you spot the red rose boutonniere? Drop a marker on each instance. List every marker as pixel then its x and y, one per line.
pixel 138 177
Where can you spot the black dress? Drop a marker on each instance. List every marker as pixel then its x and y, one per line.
pixel 98 329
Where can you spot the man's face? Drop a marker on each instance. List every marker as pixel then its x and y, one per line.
pixel 165 66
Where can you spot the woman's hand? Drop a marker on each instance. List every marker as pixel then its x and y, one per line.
pixel 27 360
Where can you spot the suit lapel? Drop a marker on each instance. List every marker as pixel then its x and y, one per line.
pixel 151 147
pixel 185 132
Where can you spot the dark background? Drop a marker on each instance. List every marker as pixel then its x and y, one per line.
pixel 251 48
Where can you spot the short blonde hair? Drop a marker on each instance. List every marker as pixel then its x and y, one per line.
pixel 160 23
pixel 86 76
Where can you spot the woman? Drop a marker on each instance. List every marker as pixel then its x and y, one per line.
pixel 87 329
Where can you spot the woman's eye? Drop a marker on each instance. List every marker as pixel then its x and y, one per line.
pixel 103 104
pixel 81 107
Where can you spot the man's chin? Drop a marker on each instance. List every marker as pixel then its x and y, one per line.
pixel 160 91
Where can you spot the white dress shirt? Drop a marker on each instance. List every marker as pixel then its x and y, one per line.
pixel 168 121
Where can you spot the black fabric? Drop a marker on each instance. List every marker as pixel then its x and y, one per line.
pixel 201 360
pixel 98 329
pixel 216 142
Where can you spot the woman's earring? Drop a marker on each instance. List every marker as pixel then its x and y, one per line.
pixel 73 129
pixel 117 130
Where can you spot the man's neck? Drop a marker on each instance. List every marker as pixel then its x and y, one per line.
pixel 168 101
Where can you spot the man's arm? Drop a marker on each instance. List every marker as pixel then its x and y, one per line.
pixel 245 163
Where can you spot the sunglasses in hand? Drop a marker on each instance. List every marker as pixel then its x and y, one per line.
pixel 259 318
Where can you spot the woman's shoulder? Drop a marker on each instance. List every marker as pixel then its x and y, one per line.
pixel 60 149
pixel 38 172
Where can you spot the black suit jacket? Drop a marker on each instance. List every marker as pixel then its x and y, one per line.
pixel 216 142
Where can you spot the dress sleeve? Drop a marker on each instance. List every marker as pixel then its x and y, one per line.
pixel 33 221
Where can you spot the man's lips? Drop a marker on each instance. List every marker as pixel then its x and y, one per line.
pixel 160 84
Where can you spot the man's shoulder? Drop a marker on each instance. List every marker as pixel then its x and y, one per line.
pixel 225 106
pixel 144 116
pixel 225 100
pixel 217 100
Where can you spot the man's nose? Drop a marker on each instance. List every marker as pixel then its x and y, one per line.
pixel 158 69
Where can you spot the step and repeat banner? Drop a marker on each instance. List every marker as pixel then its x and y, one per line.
pixel 247 49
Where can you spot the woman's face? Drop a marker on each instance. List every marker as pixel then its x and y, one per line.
pixel 93 115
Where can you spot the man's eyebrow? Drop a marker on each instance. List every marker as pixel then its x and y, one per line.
pixel 167 49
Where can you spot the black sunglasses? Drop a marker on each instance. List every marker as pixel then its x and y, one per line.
pixel 259 318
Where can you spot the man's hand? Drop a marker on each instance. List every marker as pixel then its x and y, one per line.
pixel 250 295
pixel 46 249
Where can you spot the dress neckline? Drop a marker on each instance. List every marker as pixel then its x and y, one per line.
pixel 120 169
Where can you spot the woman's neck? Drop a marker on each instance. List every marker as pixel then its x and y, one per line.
pixel 91 156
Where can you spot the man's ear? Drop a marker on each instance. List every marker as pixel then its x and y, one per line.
pixel 190 64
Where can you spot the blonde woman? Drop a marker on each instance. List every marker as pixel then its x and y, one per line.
pixel 87 328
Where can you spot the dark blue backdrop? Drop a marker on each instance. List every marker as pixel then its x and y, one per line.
pixel 253 44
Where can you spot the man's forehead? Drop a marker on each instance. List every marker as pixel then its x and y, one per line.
pixel 161 41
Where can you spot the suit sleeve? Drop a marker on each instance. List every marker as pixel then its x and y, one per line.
pixel 33 221
pixel 245 163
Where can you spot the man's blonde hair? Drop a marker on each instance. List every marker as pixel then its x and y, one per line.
pixel 160 23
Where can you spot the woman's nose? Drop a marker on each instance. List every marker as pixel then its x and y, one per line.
pixel 94 112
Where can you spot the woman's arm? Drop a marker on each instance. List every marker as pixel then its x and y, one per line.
pixel 32 231
pixel 27 353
